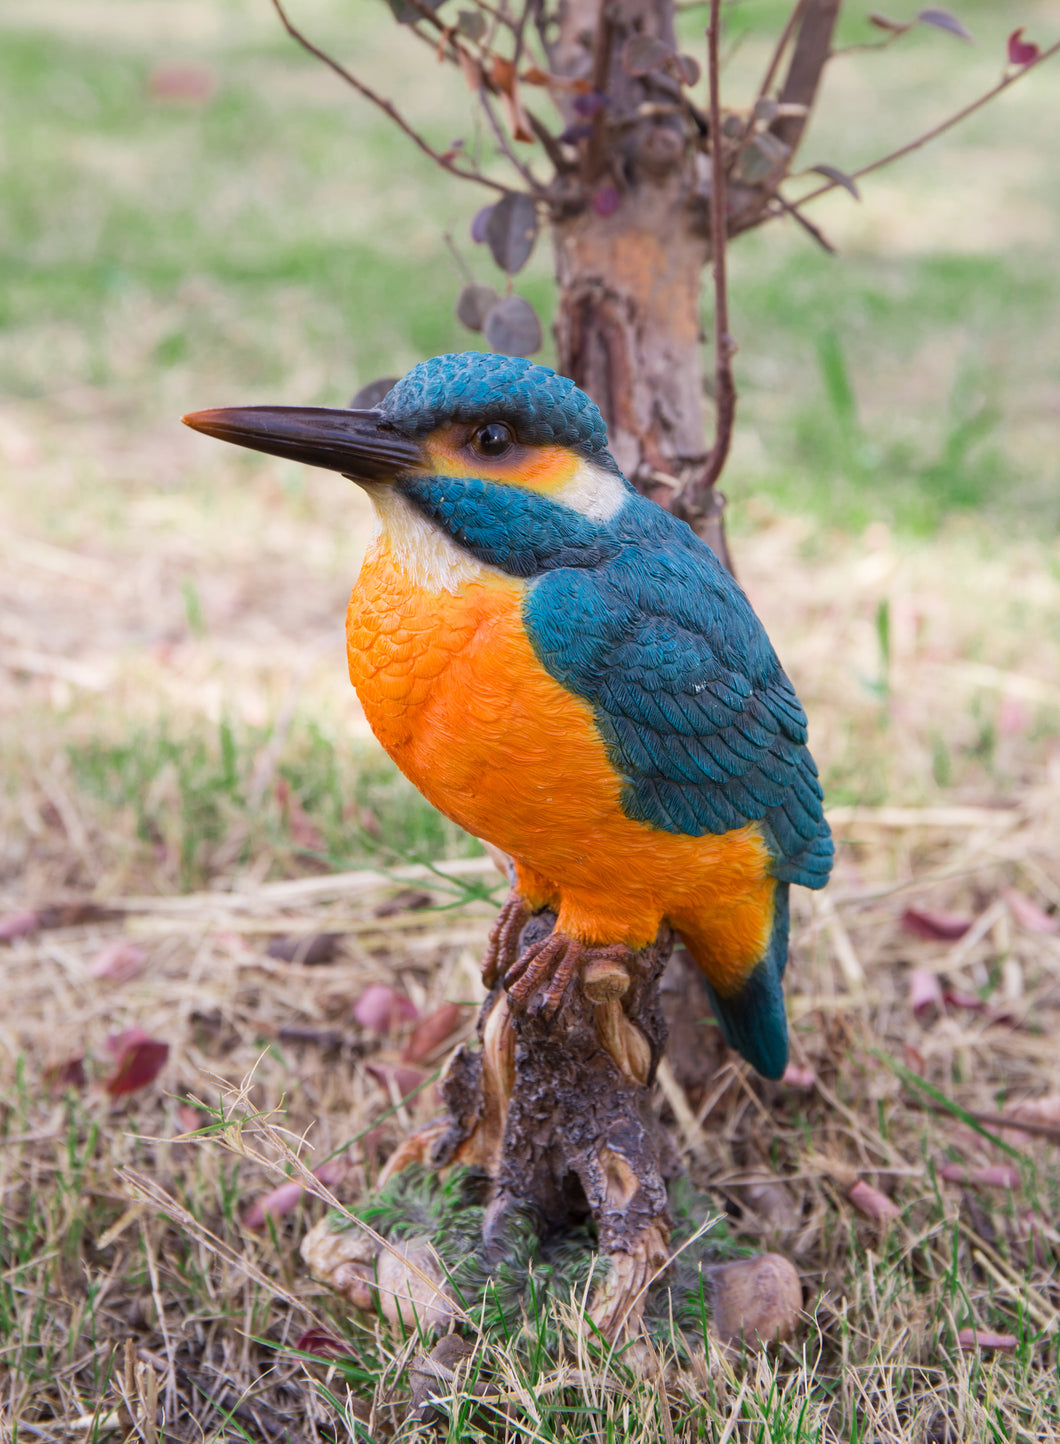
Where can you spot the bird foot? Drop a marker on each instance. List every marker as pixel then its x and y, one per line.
pixel 547 968
pixel 502 949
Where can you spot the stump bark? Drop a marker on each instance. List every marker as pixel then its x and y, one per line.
pixel 553 1109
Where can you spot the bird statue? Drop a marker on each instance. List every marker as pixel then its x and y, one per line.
pixel 565 670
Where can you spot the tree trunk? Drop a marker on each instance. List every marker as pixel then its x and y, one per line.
pixel 632 241
pixel 628 331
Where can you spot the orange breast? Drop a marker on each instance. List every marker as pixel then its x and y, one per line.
pixel 452 689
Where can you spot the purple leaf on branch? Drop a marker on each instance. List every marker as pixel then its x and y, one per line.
pixel 511 230
pixel 943 20
pixel 833 173
pixel 479 222
pixel 1020 51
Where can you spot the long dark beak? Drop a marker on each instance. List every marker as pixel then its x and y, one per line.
pixel 360 444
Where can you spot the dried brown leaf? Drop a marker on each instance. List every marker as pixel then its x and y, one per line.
pixel 117 962
pixel 872 1203
pixel 431 1032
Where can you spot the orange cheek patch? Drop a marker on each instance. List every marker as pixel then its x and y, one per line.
pixel 538 468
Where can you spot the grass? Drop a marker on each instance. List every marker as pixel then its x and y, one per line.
pixel 174 715
pixel 124 1218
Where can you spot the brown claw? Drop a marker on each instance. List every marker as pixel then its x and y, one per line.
pixel 503 945
pixel 551 963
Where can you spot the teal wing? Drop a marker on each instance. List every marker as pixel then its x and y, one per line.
pixel 700 721
pixel 699 718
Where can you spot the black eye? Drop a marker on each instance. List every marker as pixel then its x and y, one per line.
pixel 493 439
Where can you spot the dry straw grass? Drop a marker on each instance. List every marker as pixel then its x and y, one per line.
pixel 135 1303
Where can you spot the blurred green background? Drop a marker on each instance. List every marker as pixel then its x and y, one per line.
pixel 276 236
pixel 194 212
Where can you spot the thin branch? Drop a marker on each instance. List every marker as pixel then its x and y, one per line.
pixel 699 502
pixel 593 157
pixel 385 106
pixel 551 145
pixel 724 385
pixel 809 56
pixel 502 140
pixel 781 46
pixel 796 215
pixel 940 129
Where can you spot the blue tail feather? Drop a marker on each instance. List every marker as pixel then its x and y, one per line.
pixel 753 1020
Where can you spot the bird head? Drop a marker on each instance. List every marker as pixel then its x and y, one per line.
pixel 506 458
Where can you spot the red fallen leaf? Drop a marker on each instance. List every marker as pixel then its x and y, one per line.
pixel 323 1345
pixel 407 1080
pixel 282 1199
pixel 140 1059
pixel 1020 51
pixel 332 1172
pixel 799 1077
pixel 383 1010
pixel 69 1074
pixel 872 1203
pixel 18 924
pixel 181 82
pixel 925 993
pixel 995 1175
pixel 274 1204
pixel 1028 914
pixel 118 961
pixel 934 925
pixel 1035 1110
pixel 431 1032
pixel 954 998
pixel 982 1339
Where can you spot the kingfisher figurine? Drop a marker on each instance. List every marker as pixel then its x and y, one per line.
pixel 565 670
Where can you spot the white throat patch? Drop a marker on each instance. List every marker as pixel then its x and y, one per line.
pixel 436 563
pixel 594 491
pixel 431 559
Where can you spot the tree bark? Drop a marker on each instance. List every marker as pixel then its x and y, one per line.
pixel 632 240
pixel 632 233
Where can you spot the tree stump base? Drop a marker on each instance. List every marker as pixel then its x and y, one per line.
pixel 549 1175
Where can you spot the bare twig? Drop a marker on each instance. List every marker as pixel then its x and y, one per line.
pixel 502 140
pixel 781 45
pixel 550 143
pixel 593 159
pixel 724 385
pixel 386 106
pixel 937 130
pixel 813 45
pixel 796 215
